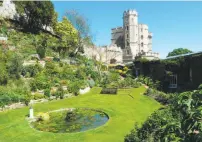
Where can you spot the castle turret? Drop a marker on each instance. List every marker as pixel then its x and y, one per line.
pixel 130 24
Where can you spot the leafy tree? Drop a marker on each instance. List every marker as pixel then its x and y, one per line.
pixel 14 66
pixel 35 14
pixel 3 74
pixel 67 36
pixel 179 51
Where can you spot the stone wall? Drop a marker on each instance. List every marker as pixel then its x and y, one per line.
pixel 7 10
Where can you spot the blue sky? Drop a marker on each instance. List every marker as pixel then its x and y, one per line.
pixel 173 24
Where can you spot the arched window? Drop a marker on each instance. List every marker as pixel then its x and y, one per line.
pixel 150 37
pixel 141 36
pixel 112 61
pixel 142 44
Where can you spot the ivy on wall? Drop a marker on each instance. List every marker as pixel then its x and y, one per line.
pixel 162 69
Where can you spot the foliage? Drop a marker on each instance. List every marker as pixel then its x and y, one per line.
pixel 151 130
pixel 181 121
pixel 10 95
pixel 67 36
pixel 179 51
pixel 35 14
pixel 38 96
pixel 60 93
pixel 91 82
pixel 14 66
pixel 158 96
pixel 149 82
pixel 40 82
pixel 74 87
pixel 11 65
pixel 41 45
pixel 3 74
pixel 42 116
pixel 82 27
pixel 33 70
pixel 47 92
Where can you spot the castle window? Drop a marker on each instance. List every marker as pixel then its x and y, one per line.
pixel 149 36
pixel 127 36
pixel 141 36
pixel 141 29
pixel 142 44
pixel 127 43
pixel 127 27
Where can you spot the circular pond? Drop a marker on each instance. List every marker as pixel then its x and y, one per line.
pixel 72 120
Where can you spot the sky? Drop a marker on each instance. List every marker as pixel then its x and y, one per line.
pixel 173 24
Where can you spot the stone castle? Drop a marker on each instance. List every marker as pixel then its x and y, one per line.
pixel 134 38
pixel 127 42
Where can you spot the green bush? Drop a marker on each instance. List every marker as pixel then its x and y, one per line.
pixel 12 95
pixel 47 92
pixel 38 96
pixel 159 96
pixel 60 93
pixel 74 88
pixel 32 70
pixel 180 121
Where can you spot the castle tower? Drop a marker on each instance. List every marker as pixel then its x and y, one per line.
pixel 130 26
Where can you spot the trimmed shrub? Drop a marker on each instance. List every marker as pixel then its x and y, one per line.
pixel 38 96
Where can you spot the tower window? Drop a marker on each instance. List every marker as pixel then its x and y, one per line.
pixel 127 27
pixel 127 36
pixel 141 36
pixel 127 43
pixel 142 44
pixel 141 29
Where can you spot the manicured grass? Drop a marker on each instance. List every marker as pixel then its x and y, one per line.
pixel 124 109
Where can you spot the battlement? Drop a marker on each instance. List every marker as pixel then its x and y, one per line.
pixel 130 12
pixel 150 34
pixel 118 29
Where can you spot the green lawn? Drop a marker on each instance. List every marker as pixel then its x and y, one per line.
pixel 123 109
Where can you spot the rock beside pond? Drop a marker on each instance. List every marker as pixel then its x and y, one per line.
pixel 43 116
pixel 71 115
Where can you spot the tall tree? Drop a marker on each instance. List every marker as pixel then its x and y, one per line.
pixel 179 51
pixel 83 28
pixel 68 36
pixel 35 14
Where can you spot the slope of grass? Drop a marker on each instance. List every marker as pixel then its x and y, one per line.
pixel 122 109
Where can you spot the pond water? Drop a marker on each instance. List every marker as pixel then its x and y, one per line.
pixel 67 121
